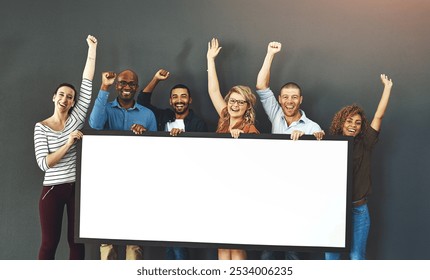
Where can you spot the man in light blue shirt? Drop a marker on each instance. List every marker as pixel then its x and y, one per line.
pixel 285 113
pixel 121 114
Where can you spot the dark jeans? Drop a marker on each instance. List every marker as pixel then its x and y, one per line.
pixel 51 208
pixel 275 255
pixel 176 253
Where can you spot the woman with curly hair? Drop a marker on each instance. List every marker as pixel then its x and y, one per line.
pixel 351 121
pixel 237 115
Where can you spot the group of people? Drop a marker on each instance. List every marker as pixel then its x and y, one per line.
pixel 55 139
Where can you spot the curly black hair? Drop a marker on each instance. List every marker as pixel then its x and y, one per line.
pixel 336 127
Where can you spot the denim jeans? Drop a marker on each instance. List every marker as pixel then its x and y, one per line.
pixel 176 253
pixel 360 232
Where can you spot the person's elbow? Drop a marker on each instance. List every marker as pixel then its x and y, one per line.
pixel 378 116
pixel 43 164
pixel 261 86
pixel 94 124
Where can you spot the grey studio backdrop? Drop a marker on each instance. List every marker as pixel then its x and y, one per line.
pixel 334 49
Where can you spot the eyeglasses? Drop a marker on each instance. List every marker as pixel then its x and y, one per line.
pixel 239 102
pixel 124 83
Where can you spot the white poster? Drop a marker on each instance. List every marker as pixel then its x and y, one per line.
pixel 247 191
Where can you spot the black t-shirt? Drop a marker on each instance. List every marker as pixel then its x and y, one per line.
pixel 361 155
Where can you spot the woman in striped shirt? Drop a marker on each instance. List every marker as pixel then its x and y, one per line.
pixel 55 149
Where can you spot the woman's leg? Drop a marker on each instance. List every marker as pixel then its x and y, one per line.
pixel 237 254
pixel 224 254
pixel 360 232
pixel 332 256
pixel 77 250
pixel 51 209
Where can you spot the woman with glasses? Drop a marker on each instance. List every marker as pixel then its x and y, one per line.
pixel 236 115
pixel 55 149
pixel 236 109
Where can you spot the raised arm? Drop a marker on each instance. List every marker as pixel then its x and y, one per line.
pixel 144 96
pixel 108 78
pixel 263 78
pixel 213 84
pixel 98 116
pixel 90 65
pixel 383 103
pixel 161 75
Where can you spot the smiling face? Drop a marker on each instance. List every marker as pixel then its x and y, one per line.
pixel 64 98
pixel 180 100
pixel 352 125
pixel 290 100
pixel 236 105
pixel 126 86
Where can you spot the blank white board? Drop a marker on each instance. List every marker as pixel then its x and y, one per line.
pixel 212 189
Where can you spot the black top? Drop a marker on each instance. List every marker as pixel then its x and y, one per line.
pixel 361 156
pixel 192 122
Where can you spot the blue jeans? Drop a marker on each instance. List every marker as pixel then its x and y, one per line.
pixel 176 253
pixel 360 232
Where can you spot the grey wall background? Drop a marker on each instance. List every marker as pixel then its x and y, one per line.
pixel 335 49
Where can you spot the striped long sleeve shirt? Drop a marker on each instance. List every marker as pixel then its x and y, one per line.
pixel 47 141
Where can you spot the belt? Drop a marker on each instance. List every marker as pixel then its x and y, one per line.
pixel 359 202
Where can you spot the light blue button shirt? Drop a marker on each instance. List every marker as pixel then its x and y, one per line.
pixel 276 116
pixel 111 116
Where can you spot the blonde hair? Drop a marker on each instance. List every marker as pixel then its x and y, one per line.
pixel 248 118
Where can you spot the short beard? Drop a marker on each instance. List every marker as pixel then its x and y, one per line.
pixel 127 99
pixel 184 110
